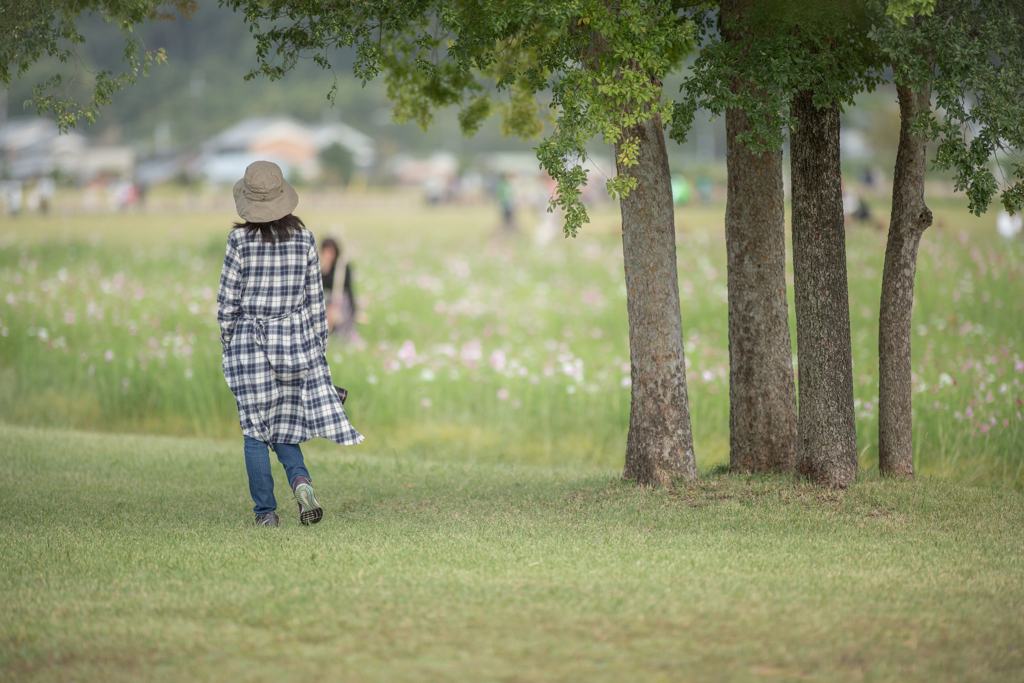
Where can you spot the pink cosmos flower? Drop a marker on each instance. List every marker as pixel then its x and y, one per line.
pixel 502 394
pixel 471 350
pixel 407 354
pixel 592 297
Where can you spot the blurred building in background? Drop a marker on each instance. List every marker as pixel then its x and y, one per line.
pixel 294 146
pixel 32 147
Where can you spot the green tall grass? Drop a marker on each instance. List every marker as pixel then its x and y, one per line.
pixel 480 348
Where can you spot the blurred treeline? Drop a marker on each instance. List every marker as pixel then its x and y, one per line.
pixel 201 90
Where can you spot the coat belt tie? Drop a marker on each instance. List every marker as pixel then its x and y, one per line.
pixel 259 325
pixel 259 328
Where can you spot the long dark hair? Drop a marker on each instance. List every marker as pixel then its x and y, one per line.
pixel 329 275
pixel 281 230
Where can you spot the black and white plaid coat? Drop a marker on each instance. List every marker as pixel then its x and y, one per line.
pixel 273 329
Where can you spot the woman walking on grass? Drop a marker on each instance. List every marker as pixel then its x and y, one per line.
pixel 273 329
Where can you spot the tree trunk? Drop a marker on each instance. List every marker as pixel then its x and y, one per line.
pixel 827 431
pixel 762 400
pixel 910 218
pixel 762 396
pixel 659 447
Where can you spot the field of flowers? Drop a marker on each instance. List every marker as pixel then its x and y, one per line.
pixel 481 348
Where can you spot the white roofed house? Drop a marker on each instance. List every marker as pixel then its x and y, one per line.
pixel 292 145
pixel 26 145
pixel 33 147
pixel 361 146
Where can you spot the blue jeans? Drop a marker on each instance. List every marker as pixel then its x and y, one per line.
pixel 261 481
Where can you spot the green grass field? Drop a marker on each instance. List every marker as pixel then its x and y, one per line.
pixel 484 349
pixel 481 532
pixel 128 558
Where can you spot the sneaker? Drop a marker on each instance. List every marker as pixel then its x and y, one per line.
pixel 310 511
pixel 267 519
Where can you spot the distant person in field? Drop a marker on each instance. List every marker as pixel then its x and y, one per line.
pixel 11 192
pixel 341 302
pixel 505 195
pixel 273 329
pixel 42 194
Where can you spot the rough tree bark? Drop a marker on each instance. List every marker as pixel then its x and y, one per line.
pixel 827 433
pixel 910 218
pixel 762 400
pixel 659 447
pixel 762 396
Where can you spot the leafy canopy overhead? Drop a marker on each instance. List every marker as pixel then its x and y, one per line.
pixel 779 48
pixel 32 29
pixel 903 10
pixel 597 65
pixel 970 53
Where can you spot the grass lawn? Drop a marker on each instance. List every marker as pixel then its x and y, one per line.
pixel 129 558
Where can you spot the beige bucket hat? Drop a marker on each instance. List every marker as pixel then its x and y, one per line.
pixel 263 195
